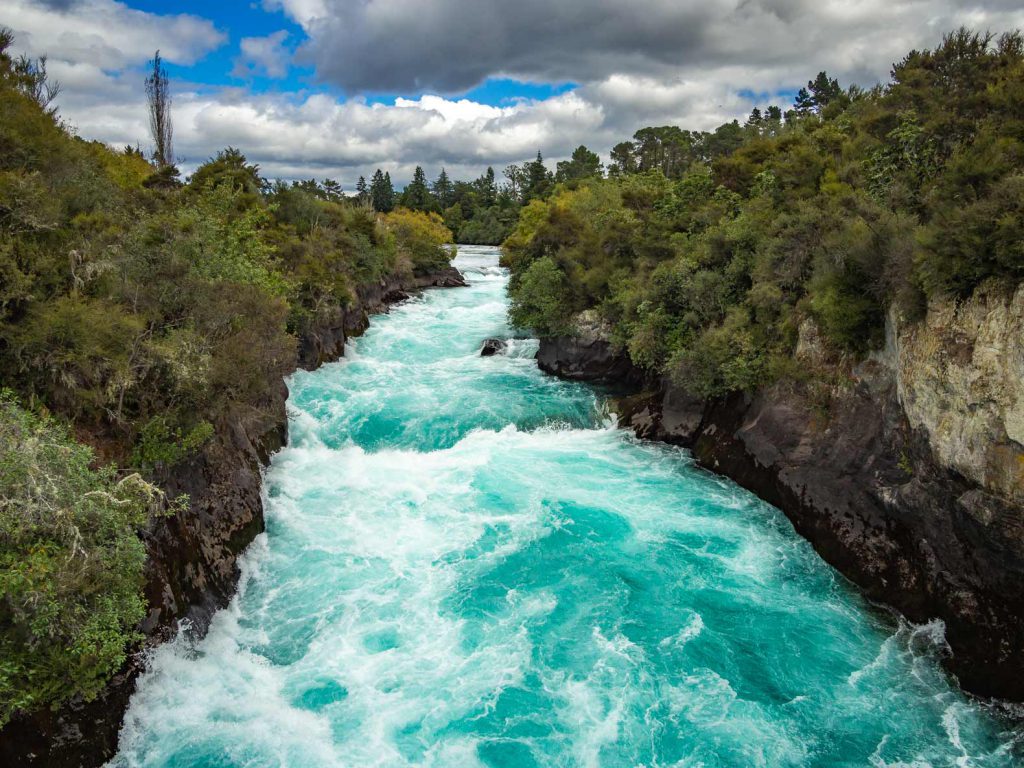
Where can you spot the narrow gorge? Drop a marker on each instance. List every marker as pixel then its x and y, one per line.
pixel 467 563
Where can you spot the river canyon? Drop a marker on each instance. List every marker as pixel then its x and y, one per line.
pixel 466 563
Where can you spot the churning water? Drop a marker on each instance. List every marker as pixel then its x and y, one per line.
pixel 466 565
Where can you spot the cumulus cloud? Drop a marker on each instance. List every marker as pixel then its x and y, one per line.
pixel 453 45
pixel 107 34
pixel 263 56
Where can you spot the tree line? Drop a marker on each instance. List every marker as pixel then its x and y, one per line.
pixel 710 253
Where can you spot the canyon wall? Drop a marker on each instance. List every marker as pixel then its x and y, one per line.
pixel 905 471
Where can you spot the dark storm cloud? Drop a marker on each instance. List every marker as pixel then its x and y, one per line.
pixel 57 5
pixel 452 45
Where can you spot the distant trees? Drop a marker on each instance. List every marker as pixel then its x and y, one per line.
pixel 538 180
pixel 382 193
pixel 443 190
pixel 158 96
pixel 583 164
pixel 417 195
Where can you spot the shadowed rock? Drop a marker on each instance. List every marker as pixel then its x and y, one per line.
pixel 493 347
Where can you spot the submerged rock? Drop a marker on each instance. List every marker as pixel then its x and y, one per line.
pixel 493 347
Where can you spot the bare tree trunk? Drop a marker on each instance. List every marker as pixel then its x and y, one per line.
pixel 158 93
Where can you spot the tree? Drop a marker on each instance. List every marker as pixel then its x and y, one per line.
pixel 416 195
pixel 382 194
pixel 804 103
pixel 487 188
pixel 443 189
pixel 332 190
pixel 584 164
pixel 158 94
pixel 516 176
pixel 623 157
pixel 823 90
pixel 538 179
pixel 35 82
pixel 229 167
pixel 362 191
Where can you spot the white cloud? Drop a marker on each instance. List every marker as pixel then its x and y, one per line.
pixel 108 34
pixel 263 56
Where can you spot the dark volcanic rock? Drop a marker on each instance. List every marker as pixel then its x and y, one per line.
pixel 583 359
pixel 493 347
pixel 864 489
pixel 192 570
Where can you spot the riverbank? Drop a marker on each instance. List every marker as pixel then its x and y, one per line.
pixel 192 568
pixel 865 470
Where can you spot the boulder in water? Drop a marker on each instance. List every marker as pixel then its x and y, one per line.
pixel 493 347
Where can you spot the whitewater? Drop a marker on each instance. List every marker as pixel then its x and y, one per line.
pixel 467 564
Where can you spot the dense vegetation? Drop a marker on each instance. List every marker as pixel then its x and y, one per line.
pixel 706 252
pixel 142 313
pixel 482 211
pixel 70 564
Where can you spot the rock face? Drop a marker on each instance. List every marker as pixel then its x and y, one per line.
pixel 961 380
pixel 192 570
pixel 906 477
pixel 324 341
pixel 587 355
pixel 493 347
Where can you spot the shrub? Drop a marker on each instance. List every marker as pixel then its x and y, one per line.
pixel 70 564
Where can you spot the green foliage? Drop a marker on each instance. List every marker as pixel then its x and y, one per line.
pixel 707 250
pixel 539 302
pixel 70 564
pixel 420 238
pixel 145 313
pixel 161 444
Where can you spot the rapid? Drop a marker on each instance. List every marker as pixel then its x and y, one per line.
pixel 467 564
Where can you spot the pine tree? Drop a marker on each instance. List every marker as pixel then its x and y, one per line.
pixel 486 188
pixel 443 190
pixel 538 179
pixel 623 157
pixel 332 190
pixel 583 164
pixel 416 195
pixel 362 192
pixel 382 193
pixel 823 90
pixel 804 104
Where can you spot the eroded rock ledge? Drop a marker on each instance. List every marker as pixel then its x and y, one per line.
pixel 907 476
pixel 192 569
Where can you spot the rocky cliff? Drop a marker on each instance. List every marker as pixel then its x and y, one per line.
pixel 905 471
pixel 192 570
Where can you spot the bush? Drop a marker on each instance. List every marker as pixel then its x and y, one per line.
pixel 420 238
pixel 70 564
pixel 541 302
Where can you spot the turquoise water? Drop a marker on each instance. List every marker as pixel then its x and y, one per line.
pixel 466 565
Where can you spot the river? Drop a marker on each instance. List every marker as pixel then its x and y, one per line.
pixel 466 564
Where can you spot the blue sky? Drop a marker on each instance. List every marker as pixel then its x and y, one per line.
pixel 240 20
pixel 459 84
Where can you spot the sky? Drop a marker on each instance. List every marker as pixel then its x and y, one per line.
pixel 336 88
